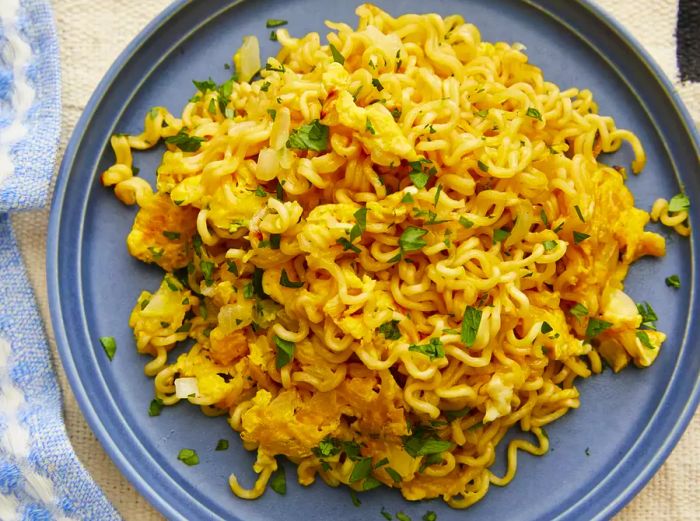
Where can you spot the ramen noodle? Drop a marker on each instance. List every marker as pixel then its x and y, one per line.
pixel 386 252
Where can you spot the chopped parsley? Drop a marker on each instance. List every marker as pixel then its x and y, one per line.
pixel 232 267
pixel 580 237
pixel 429 516
pixel 437 195
pixel 411 240
pixel 673 281
pixel 419 175
pixel 337 56
pixel 407 198
pixel 425 443
pixel 156 253
pixel 257 283
pixel 644 339
pixel 313 136
pixel 482 166
pixel 273 22
pixel 679 203
pixel 353 497
pixel 272 113
pixel 393 474
pixel 185 142
pixel 403 517
pixel 361 470
pixel 546 328
pixel 596 327
pixel 284 281
pixel 534 113
pixel 207 268
pixel 369 127
pixel 433 349
pixel 543 216
pixel 221 445
pixel 579 310
pixel 172 236
pixel 109 345
pixel 360 224
pixel 265 86
pixel 465 222
pixel 390 330
pixel 155 407
pixel 482 113
pixel 470 325
pixel 578 212
pixel 260 191
pixel 454 415
pixel 649 316
pixel 202 86
pixel 377 84
pixel 188 457
pixel 500 235
pixel 347 245
pixel 273 36
pixel 549 245
pixel 285 351
pixel 386 514
pixel 396 113
pixel 278 481
pixel 248 291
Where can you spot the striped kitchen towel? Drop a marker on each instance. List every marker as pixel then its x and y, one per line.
pixel 40 476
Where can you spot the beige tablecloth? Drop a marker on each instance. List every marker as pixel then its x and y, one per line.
pixel 93 32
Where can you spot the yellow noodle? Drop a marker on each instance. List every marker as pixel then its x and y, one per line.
pixel 409 286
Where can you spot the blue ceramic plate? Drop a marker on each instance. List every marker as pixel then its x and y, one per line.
pixel 601 454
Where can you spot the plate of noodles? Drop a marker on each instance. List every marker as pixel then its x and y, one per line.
pixel 316 260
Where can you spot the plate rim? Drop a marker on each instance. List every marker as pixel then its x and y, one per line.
pixel 93 417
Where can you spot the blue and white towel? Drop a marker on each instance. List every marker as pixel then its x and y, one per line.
pixel 40 476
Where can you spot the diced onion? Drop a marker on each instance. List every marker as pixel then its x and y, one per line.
pixel 186 387
pixel 268 164
pixel 249 55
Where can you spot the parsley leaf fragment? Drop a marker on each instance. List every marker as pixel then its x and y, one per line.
pixel 284 281
pixel 534 113
pixel 433 349
pixel 188 457
pixel 596 327
pixel 285 351
pixel 470 325
pixel 273 22
pixel 109 345
pixel 678 203
pixel 337 56
pixel 155 407
pixel 390 330
pixel 222 444
pixel 278 481
pixel 185 142
pixel 313 136
pixel 673 281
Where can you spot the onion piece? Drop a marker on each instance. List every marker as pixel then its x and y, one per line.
pixel 247 59
pixel 186 387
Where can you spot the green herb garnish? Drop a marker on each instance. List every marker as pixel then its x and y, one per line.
pixel 390 330
pixel 285 351
pixel 278 481
pixel 673 281
pixel 534 113
pixel 188 457
pixel 185 142
pixel 221 445
pixel 433 349
pixel 273 22
pixel 284 281
pixel 155 407
pixel 470 325
pixel 337 56
pixel 109 345
pixel 313 136
pixel 596 327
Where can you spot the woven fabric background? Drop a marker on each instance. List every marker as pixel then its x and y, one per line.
pixel 93 32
